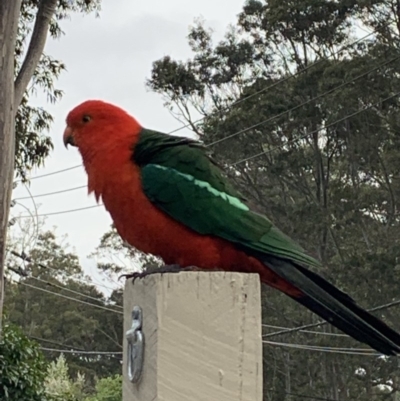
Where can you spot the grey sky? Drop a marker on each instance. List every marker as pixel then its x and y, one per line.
pixel 109 58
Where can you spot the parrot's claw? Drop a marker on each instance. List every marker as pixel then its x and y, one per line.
pixel 162 270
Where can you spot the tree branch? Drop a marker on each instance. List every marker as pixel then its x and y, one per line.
pixel 36 45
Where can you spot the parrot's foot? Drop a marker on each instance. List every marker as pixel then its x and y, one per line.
pixel 162 270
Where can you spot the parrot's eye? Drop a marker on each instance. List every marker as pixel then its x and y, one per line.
pixel 86 118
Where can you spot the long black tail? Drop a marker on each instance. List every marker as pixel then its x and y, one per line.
pixel 335 306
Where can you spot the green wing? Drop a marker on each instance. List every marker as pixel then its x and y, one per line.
pixel 184 155
pixel 183 182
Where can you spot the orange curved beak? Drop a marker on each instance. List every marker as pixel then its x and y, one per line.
pixel 68 137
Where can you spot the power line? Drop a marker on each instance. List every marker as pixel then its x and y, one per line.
pixel 303 104
pixel 61 211
pixel 51 193
pixel 69 348
pixel 53 173
pixel 321 323
pixel 333 350
pixel 70 298
pixel 26 258
pixel 73 351
pixel 71 291
pixel 305 331
pixel 54 342
pixel 316 131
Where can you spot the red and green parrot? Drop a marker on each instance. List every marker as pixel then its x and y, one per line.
pixel 168 198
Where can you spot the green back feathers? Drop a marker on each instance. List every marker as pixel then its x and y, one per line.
pixel 184 155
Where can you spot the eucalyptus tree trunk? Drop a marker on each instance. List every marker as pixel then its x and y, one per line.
pixel 9 13
pixel 11 94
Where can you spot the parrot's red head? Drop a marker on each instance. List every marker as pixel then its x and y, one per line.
pixel 105 136
pixel 97 127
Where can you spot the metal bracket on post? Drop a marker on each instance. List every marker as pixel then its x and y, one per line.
pixel 135 345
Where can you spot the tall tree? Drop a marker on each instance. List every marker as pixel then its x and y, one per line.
pixel 24 27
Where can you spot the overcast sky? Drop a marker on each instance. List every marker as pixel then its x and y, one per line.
pixel 109 58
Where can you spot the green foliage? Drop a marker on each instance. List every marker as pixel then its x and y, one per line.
pixel 59 385
pixel 328 180
pixel 22 367
pixel 108 389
